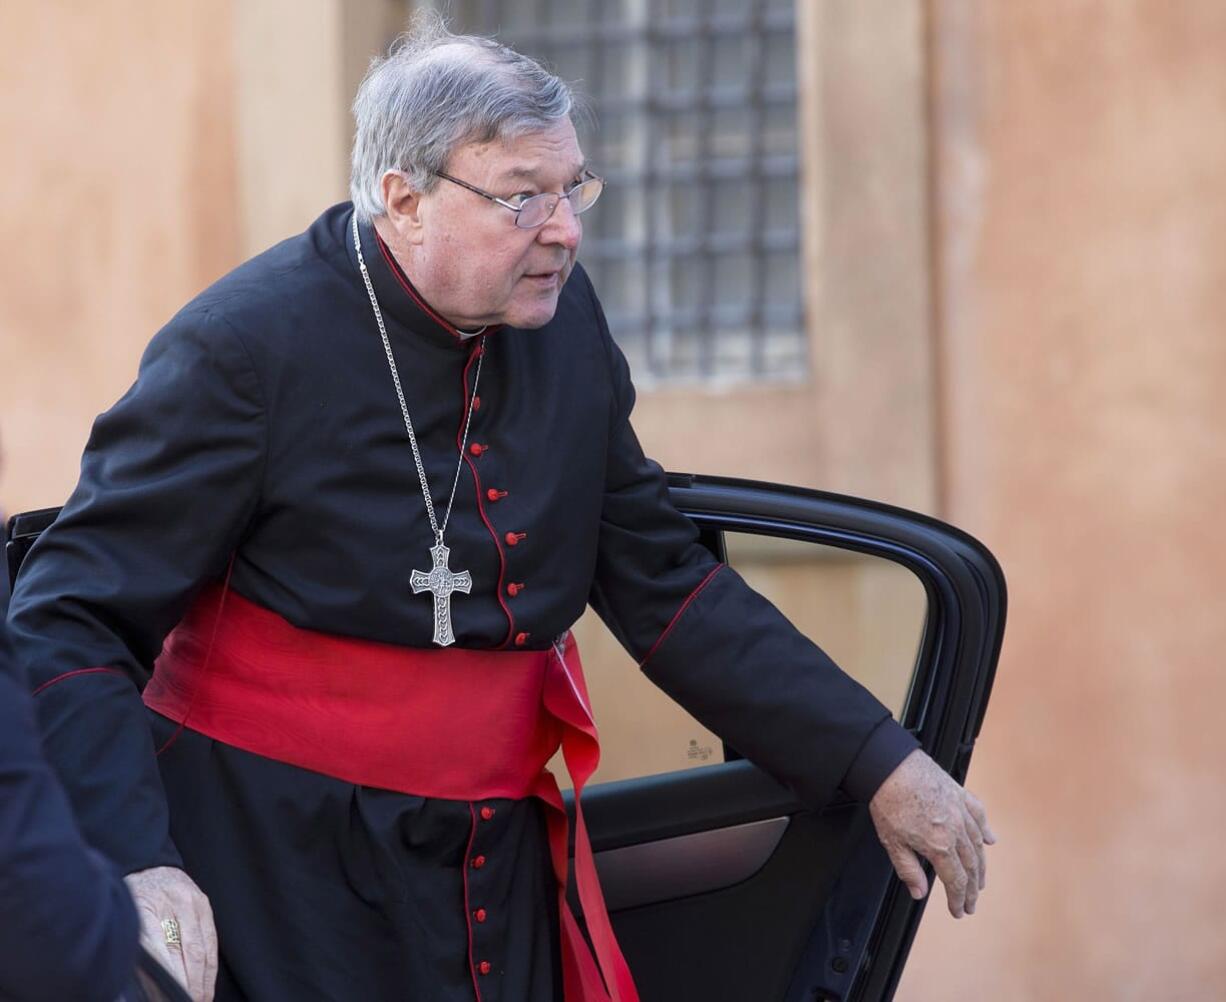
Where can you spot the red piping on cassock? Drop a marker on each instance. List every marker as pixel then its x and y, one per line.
pixel 678 614
pixel 502 560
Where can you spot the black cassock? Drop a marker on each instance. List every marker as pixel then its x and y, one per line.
pixel 263 435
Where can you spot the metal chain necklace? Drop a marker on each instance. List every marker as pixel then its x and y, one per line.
pixel 440 580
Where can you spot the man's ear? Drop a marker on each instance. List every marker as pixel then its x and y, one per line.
pixel 403 203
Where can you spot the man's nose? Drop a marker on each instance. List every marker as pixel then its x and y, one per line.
pixel 563 227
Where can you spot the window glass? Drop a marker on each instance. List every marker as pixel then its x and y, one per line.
pixel 866 612
pixel 695 131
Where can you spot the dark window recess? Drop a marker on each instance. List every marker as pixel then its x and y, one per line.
pixel 694 246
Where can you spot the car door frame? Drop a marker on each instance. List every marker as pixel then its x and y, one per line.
pixel 858 947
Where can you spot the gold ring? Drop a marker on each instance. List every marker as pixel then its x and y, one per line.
pixel 170 929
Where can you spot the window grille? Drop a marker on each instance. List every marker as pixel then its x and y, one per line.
pixel 694 247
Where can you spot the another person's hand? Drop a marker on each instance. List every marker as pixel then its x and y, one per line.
pixel 171 907
pixel 920 809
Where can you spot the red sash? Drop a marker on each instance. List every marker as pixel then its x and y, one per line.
pixel 446 723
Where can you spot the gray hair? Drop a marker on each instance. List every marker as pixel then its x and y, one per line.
pixel 436 91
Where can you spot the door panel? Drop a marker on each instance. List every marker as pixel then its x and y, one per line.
pixel 911 607
pixel 665 869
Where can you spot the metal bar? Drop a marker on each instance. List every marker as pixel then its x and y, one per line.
pixel 595 53
pixel 774 241
pixel 657 292
pixel 724 97
pixel 724 169
pixel 668 29
pixel 727 315
pixel 757 196
pixel 707 217
pixel 542 46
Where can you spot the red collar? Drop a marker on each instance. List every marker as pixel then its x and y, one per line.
pixel 400 299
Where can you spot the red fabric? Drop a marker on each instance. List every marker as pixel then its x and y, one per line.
pixel 405 284
pixel 403 719
pixel 70 674
pixel 502 557
pixel 502 560
pixel 403 280
pixel 472 969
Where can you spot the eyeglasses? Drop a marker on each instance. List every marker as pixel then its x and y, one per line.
pixel 534 210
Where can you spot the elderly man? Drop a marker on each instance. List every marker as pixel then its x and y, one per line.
pixel 359 492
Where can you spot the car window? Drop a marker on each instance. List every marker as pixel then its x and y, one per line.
pixel 865 611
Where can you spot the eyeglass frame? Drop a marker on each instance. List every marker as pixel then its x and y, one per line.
pixel 517 209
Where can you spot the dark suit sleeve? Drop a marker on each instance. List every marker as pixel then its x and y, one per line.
pixel 67 926
pixel 719 648
pixel 170 477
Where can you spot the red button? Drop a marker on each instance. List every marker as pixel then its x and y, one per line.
pixel 478 862
pixel 487 813
pixel 514 588
pixel 521 639
pixel 494 494
pixel 485 967
pixel 477 449
pixel 479 914
pixel 476 403
pixel 513 538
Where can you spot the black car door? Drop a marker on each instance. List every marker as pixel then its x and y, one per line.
pixel 722 888
pixel 719 885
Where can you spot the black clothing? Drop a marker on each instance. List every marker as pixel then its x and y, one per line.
pixel 264 427
pixel 67 926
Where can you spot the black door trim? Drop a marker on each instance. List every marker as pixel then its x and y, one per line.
pixel 860 944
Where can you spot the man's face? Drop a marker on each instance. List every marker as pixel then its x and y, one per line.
pixel 470 260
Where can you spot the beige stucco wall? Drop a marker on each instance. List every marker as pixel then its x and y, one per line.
pixel 1082 207
pixel 117 121
pixel 151 148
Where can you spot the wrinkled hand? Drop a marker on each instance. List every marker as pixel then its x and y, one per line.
pixel 920 809
pixel 165 892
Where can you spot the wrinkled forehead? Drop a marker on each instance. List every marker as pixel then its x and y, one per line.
pixel 546 157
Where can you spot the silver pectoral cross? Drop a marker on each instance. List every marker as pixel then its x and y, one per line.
pixel 441 582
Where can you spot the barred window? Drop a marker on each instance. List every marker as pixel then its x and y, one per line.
pixel 694 247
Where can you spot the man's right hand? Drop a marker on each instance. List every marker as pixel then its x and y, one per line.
pixel 166 897
pixel 920 811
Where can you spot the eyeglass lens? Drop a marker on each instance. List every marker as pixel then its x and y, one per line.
pixel 537 209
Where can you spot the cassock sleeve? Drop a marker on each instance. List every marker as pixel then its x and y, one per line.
pixel 69 928
pixel 719 648
pixel 170 477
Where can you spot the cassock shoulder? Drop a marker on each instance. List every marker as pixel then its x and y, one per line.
pixel 580 311
pixel 280 301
